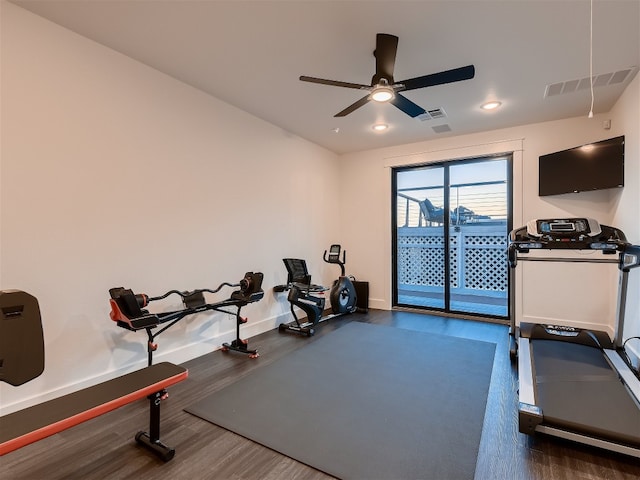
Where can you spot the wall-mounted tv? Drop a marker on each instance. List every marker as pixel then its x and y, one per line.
pixel 594 166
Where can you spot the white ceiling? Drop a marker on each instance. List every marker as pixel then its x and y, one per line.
pixel 251 53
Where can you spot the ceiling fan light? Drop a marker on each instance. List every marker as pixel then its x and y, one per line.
pixel 382 94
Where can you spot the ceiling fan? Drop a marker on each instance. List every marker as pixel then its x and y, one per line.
pixel 384 88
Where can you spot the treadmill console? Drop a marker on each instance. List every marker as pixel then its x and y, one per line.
pixel 572 228
pixel 567 233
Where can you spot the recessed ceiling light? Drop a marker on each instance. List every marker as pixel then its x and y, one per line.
pixel 490 105
pixel 380 127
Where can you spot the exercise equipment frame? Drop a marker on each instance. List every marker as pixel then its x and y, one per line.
pixel 574 383
pixel 127 310
pixel 309 297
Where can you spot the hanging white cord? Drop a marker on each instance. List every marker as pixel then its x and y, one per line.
pixel 591 57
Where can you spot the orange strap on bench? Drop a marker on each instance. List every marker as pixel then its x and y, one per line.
pixel 40 421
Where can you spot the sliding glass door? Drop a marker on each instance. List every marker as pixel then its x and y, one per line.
pixel 451 222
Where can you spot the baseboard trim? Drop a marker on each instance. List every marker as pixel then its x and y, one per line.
pixel 178 356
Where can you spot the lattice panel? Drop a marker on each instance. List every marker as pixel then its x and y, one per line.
pixel 480 259
pixel 431 240
pixel 425 266
pixel 453 267
pixel 488 240
pixel 485 269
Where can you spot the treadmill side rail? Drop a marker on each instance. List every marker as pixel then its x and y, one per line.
pixel 588 440
pixel 526 389
pixel 529 417
pixel 529 414
pixel 622 369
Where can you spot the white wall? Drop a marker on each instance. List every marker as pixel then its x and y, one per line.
pixel 565 293
pixel 627 113
pixel 113 174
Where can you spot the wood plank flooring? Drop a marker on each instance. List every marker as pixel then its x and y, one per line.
pixel 103 448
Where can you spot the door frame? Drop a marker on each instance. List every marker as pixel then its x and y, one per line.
pixel 446 164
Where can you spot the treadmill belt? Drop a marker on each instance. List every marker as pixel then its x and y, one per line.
pixel 578 390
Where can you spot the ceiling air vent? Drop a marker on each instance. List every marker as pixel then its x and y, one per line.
pixel 432 114
pixel 569 86
pixel 441 128
pixel 437 113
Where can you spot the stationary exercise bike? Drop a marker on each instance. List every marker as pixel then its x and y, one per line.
pixel 342 295
pixel 310 297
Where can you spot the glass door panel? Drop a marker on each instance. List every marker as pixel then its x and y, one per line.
pixel 420 256
pixel 478 229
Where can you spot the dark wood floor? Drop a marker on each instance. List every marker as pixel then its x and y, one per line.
pixel 103 448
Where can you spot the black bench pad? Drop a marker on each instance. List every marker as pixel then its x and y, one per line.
pixel 40 421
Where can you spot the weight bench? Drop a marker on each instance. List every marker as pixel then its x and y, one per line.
pixel 20 314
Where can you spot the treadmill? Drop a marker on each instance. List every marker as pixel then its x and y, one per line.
pixel 574 383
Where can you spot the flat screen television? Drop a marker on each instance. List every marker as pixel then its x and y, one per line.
pixel 594 166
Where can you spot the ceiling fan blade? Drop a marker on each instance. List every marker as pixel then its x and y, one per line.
pixel 385 53
pixel 352 107
pixel 407 106
pixel 448 76
pixel 334 83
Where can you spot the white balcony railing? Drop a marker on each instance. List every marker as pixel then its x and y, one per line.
pixel 477 264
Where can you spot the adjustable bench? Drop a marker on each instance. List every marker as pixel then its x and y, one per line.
pixel 19 314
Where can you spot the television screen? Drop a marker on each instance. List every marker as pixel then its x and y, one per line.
pixel 594 166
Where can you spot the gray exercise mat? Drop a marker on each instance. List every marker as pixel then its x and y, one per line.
pixel 367 402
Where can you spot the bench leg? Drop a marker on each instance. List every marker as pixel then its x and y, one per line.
pixel 151 440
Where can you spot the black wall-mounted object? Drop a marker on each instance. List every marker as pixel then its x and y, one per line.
pixel 21 337
pixel 595 166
